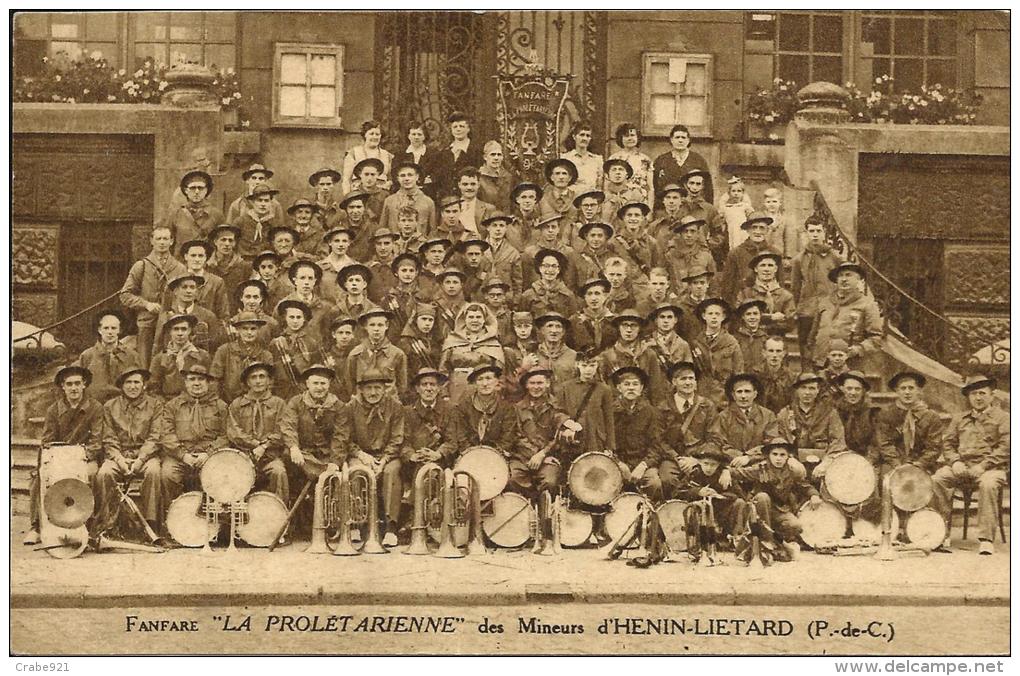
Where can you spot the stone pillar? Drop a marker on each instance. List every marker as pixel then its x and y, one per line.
pixel 818 150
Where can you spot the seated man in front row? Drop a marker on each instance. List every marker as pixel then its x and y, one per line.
pixel 253 426
pixel 543 430
pixel 638 433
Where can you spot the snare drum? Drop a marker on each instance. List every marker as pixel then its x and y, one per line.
pixel 266 516
pixel 488 467
pixel 926 529
pixel 595 478
pixel 575 527
pixel 509 524
pixel 227 475
pixel 187 523
pixel 672 518
pixel 850 478
pixel 911 488
pixel 822 526
pixel 624 511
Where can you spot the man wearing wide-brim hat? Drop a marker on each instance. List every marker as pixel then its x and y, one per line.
pixel 638 427
pixel 735 272
pixel 193 426
pixel 208 332
pixel 630 350
pixel 544 431
pixel 561 175
pixel 256 222
pixel 684 250
pixel 255 175
pixel 848 313
pixel 548 290
pixel 377 353
pixel 178 340
pixel 811 422
pixel 780 308
pixel 426 420
pixel 253 427
pixel 483 417
pixel 233 357
pixel 325 184
pixel 212 291
pixel 316 425
pixel 976 456
pixel 74 419
pixel 198 216
pixel 743 425
pixel 301 216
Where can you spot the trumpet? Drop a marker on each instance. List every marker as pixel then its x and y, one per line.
pixel 359 505
pixel 326 510
pixel 427 496
pixel 545 527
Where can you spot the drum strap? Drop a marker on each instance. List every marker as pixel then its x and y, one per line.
pixel 584 401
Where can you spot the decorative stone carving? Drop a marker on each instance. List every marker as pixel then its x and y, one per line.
pixel 39 309
pixel 823 103
pixel 34 257
pixel 190 86
pixel 977 276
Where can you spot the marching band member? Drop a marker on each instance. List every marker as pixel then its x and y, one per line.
pixel 295 349
pixel 709 477
pixel 743 425
pixel 232 358
pixel 638 432
pixel 315 425
pixel 812 422
pixel 144 286
pixel 688 418
pixel 177 331
pixel 590 401
pixel 251 296
pixel 212 292
pixel 207 331
pixel 377 353
pixel 543 427
pixel 107 359
pixel 225 262
pixel 427 421
pixel 252 426
pixel 482 418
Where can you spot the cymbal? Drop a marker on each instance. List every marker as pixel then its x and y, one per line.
pixel 69 503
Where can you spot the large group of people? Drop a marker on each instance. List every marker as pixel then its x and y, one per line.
pixel 420 303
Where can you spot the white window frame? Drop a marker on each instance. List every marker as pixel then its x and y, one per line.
pixel 308 49
pixel 648 128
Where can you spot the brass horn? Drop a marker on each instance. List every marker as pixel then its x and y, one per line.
pixel 326 510
pixel 469 511
pixel 359 506
pixel 546 527
pixel 452 518
pixel 427 496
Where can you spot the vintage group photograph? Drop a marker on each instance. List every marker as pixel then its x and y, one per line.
pixel 510 332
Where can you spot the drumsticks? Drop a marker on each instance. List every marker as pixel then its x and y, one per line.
pixel 290 514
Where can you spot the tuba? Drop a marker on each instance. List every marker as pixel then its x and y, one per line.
pixel 427 496
pixel 359 506
pixel 545 529
pixel 326 510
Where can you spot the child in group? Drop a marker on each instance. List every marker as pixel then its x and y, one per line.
pixel 295 349
pixel 618 190
pixel 409 235
pixel 622 294
pixel 709 481
pixel 723 349
pixel 310 232
pixel 751 333
pixel 343 333
pixel 361 222
pixel 810 277
pixel 777 317
pixel 686 251
pixel 835 366
pixel 782 237
pixel 735 206
pixel 594 250
pixel 525 197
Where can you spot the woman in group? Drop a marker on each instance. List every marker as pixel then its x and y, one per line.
pixel 421 153
pixel 495 179
pixel 629 139
pixel 589 165
pixel 371 132
pixel 473 342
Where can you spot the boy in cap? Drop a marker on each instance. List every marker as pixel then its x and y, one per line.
pixel 590 402
pixel 328 213
pixel 310 233
pixel 130 448
pixel 811 422
pixel 406 292
pixel 525 213
pixel 743 425
pixel 668 214
pixel 481 418
pixel 639 432
pixel 543 428
pixel 736 272
pixel 590 259
pixel 750 333
pixel 409 194
pixel 449 299
pixel 353 281
pixel 107 359
pixel 212 292
pixel 976 452
pixel 591 328
pixel 383 278
pixel 377 441
pixel 548 292
pixel 254 176
pixel 776 490
pixel 779 304
pixel 253 426
pixel 225 262
pixel 358 219
pixel 377 353
pixel 426 421
pixel 146 281
pixel 847 314
pixel 835 366
pixel 559 196
pixel 699 205
pixel 810 277
pixel 473 211
pixel 315 425
pixel 619 189
pixel 74 419
pixel 420 339
pixel 775 375
pixel 687 419
pixel 177 336
pixel 296 349
pixel 449 228
pixel 197 217
pixel 685 252
pixel 234 357
pixel 256 222
pixel 723 350
pixel 505 257
pixel 708 479
pixel 192 426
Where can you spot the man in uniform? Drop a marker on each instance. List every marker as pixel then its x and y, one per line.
pixel 328 215
pixel 590 403
pixel 743 425
pixel 225 261
pixel 543 427
pixel 638 432
pixel 482 418
pixel 254 176
pixel 630 350
pixel 315 425
pixel 107 359
pixel 811 422
pixel 426 421
pixel 207 332
pixel 377 353
pixel 847 314
pixel 409 194
pixel 775 376
pixel 253 426
pixel 233 358
pixel 212 293
pixel 197 218
pixel 687 420
pixel 256 221
pixel 592 327
pixel 143 289
pixel 178 336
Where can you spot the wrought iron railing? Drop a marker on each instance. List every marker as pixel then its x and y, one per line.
pixel 911 320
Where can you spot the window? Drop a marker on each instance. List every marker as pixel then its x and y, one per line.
pixel 308 85
pixel 800 46
pixel 676 88
pixel 63 36
pixel 913 48
pixel 207 38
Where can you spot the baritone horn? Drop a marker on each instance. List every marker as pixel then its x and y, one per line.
pixel 359 505
pixel 469 510
pixel 427 497
pixel 326 510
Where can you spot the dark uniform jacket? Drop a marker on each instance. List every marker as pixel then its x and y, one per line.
pixel 787 490
pixel 587 332
pixel 537 425
pixel 595 417
pixel 145 283
pixel 896 447
pixel 738 433
pixel 426 426
pixel 208 333
pixel 818 427
pixel 322 428
pixel 859 427
pixel 231 360
pixel 166 380
pixel 106 365
pixel 775 386
pixel 473 423
pixel 232 272
pixel 255 421
pixel 78 426
pixel 191 425
pixel 683 432
pixel 131 427
pixel 638 432
pixel 376 429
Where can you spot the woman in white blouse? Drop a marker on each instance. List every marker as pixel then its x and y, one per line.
pixel 589 165
pixel 629 140
pixel 371 132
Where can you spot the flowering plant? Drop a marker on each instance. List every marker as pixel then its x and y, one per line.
pixel 773 106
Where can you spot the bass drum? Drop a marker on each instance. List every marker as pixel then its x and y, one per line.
pixel 186 521
pixel 595 479
pixel 488 467
pixel 624 511
pixel 673 519
pixel 575 527
pixel 509 523
pixel 926 529
pixel 227 475
pixel 866 530
pixel 911 488
pixel 67 500
pixel 266 516
pixel 823 526
pixel 850 478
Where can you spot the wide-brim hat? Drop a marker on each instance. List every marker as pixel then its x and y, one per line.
pixel 498 217
pixel 742 377
pixel 277 229
pixel 318 370
pixel 373 376
pixel 560 162
pixel 315 267
pixel 546 219
pixel 834 273
pixel 695 172
pixel 904 375
pixel 263 255
pixel 369 161
pixel 450 272
pixel 672 187
pixel 805 378
pixel 681 226
pixel 180 279
pixel 588 227
pixel 428 244
pixel 448 201
pixel 547 317
pixel 486 368
pixel 222 228
pixel 400 258
pixel 303 203
pixel 254 366
pixel 197 368
pixel 777 258
pixel 330 234
pixel 545 253
pixel 645 209
pixel 353 269
pixel 530 373
pixel 425 310
pixel 287 304
pixel 203 244
pixel 493 283
pixel 976 382
pixel 595 281
pixel 426 372
pixel 746 225
pixel 748 304
pixel 619 373
pixel 628 315
pixel 709 450
pixel 778 442
pixel 341 320
pixel 597 194
pixel 255 169
pixel 700 307
pixel 354 195
pixel 374 312
pixel 325 171
pixel 678 366
pixel 72 370
pixel 127 373
pixel 244 317
pixel 697 273
pixel 196 173
pixel 174 320
pixel 521 187
pixel 853 375
pixel 383 233
pixel 662 307
pixel 610 163
pixel 463 244
pixel 263 189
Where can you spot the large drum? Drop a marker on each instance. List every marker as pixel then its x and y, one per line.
pixel 67 500
pixel 488 467
pixel 575 527
pixel 850 478
pixel 625 509
pixel 266 516
pixel 822 526
pixel 926 529
pixel 595 478
pixel 509 524
pixel 911 488
pixel 673 520
pixel 227 475
pixel 187 523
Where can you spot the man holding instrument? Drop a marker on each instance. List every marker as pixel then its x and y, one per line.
pixel 481 418
pixel 542 428
pixel 811 422
pixel 252 426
